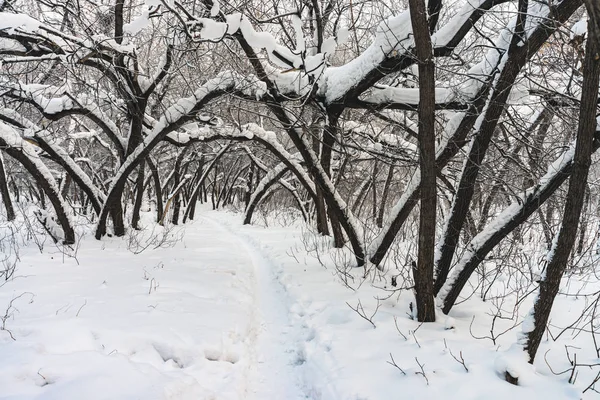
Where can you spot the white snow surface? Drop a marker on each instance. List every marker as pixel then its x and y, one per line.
pixel 239 312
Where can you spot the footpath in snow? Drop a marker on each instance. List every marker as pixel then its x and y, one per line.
pixel 204 319
pixel 225 311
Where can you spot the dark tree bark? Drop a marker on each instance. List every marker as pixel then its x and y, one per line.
pixel 329 137
pixel 567 235
pixel 47 189
pixel 139 197
pixel 119 21
pixel 374 191
pixel 423 271
pixel 249 188
pixel 584 222
pixel 384 195
pixel 479 148
pixel 534 41
pixel 176 182
pixel 320 209
pixel 157 188
pixel 259 195
pixel 8 206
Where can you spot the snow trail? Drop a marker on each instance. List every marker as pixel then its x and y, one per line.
pixel 276 360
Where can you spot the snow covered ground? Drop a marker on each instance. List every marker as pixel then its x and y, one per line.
pixel 245 312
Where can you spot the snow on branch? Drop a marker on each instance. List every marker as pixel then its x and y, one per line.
pixel 511 216
pixel 398 98
pixel 55 107
pixel 46 139
pixel 10 138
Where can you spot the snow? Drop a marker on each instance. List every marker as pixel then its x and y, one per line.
pixel 233 22
pixel 38 95
pixel 297 24
pixel 443 35
pixel 388 94
pixel 11 45
pixel 222 311
pixel 212 30
pixel 13 139
pixel 10 22
pixel 579 28
pixel 214 10
pixel 342 35
pixel 506 215
pixel 138 23
pixel 278 54
pixel 393 34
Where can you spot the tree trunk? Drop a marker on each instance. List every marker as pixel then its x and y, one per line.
pixel 384 196
pixel 35 168
pixel 249 190
pixel 374 191
pixel 423 271
pixel 550 282
pixel 157 189
pixel 8 206
pixel 139 197
pixel 320 209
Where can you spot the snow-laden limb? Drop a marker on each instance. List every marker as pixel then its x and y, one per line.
pixel 398 98
pixel 393 45
pixel 198 185
pixel 97 198
pixel 464 17
pixel 25 153
pixel 271 177
pixel 283 182
pixel 392 50
pixel 44 99
pixel 48 143
pixel 175 117
pixel 507 220
pixel 248 132
pixel 511 57
pixel 472 89
pixel 36 95
pixel 45 39
pixel 481 92
pixel 269 138
pixel 392 38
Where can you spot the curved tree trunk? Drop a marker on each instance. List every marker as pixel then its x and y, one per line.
pixel 582 160
pixel 8 206
pixel 200 183
pixel 25 154
pixel 263 187
pixel 384 195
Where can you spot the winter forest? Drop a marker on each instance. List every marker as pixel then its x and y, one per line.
pixel 299 199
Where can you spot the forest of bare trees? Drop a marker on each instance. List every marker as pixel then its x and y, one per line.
pixel 449 142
